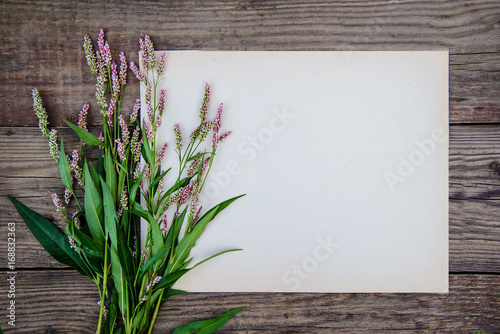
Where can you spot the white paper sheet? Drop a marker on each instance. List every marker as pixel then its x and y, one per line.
pixel 344 160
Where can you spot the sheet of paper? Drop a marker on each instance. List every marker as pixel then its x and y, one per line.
pixel 343 157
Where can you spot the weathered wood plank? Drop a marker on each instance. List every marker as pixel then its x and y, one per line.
pixel 24 154
pixel 41 42
pixel 28 172
pixel 63 301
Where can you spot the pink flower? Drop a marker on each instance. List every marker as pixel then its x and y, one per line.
pixel 160 154
pixel 205 102
pixel 161 101
pixel 161 63
pixel 123 69
pixel 139 75
pixel 82 117
pixel 135 111
pixel 57 203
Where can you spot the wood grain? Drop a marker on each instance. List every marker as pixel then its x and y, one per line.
pixel 65 302
pixel 28 173
pixel 41 42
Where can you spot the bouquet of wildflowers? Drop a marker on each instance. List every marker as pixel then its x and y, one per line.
pixel 101 238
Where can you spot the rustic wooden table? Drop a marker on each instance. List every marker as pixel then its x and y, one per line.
pixel 41 47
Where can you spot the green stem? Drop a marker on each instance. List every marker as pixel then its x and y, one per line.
pixel 156 311
pixel 104 286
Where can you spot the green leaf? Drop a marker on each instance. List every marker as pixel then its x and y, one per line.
pixel 187 243
pixel 215 255
pixel 146 150
pixel 119 279
pixel 51 238
pixel 170 279
pixel 110 220
pixel 221 207
pixel 90 252
pixel 207 326
pixel 100 164
pixel 199 155
pixel 175 229
pixel 138 317
pixel 173 292
pixel 64 168
pixel 125 258
pixel 149 264
pixel 133 190
pixel 112 314
pixel 86 136
pixel 94 211
pixel 138 210
pixel 158 178
pixel 110 170
pixel 189 240
pixel 157 237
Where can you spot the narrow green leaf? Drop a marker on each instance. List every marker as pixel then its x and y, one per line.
pixel 189 240
pixel 95 175
pixel 112 314
pixel 64 168
pixel 100 164
pixel 110 171
pixel 215 255
pixel 134 188
pixel 94 211
pixel 86 136
pixel 110 220
pixel 122 168
pixel 173 292
pixel 125 258
pixel 90 252
pixel 146 150
pixel 187 243
pixel 196 156
pixel 158 178
pixel 149 264
pixel 170 279
pixel 175 229
pixel 139 317
pixel 207 326
pixel 138 210
pixel 221 206
pixel 119 280
pixel 51 238
pixel 156 236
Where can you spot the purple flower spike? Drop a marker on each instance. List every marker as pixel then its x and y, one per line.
pixel 89 54
pixel 143 54
pixel 161 101
pixel 82 117
pixel 123 69
pixel 124 129
pixel 115 80
pixel 121 149
pixel 139 75
pixel 57 202
pixel 135 111
pixel 224 136
pixel 205 103
pixel 161 63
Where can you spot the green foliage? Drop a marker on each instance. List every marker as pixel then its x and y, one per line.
pixel 100 239
pixel 207 326
pixel 51 238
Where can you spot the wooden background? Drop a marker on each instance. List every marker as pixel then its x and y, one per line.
pixel 41 47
